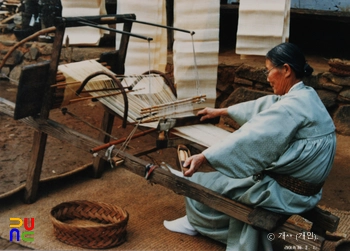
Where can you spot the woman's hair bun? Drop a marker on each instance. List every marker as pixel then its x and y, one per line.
pixel 308 70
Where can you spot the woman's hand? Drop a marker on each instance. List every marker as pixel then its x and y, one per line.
pixel 209 113
pixel 194 162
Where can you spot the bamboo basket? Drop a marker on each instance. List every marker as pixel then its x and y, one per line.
pixel 89 224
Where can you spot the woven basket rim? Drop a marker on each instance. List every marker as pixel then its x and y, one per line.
pixel 72 226
pixel 63 204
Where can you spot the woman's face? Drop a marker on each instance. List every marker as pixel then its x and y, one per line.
pixel 277 78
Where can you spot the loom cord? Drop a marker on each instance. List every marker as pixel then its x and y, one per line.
pixel 149 70
pixel 65 111
pixel 168 82
pixel 128 139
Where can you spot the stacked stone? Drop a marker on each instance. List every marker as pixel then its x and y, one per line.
pixel 339 77
pixel 243 83
pixel 33 52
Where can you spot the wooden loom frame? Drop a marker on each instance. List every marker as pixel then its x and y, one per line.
pixel 258 217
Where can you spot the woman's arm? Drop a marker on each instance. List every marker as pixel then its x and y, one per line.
pixel 194 162
pixel 209 113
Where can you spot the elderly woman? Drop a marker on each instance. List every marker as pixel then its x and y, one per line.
pixel 283 137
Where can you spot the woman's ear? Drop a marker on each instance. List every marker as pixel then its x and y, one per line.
pixel 287 70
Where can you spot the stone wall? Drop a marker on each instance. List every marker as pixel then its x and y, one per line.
pixel 242 83
pixel 235 83
pixel 32 52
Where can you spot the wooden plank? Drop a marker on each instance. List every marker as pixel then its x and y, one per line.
pixel 322 219
pixel 266 220
pixel 31 88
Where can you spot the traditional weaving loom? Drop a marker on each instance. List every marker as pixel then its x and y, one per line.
pixel 137 99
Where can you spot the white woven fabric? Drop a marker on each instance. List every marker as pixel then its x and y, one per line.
pixel 143 56
pixel 202 17
pixel 83 35
pixel 262 25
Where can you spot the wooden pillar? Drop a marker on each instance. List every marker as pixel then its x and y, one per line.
pixel 40 138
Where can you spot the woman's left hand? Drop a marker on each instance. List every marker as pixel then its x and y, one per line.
pixel 194 162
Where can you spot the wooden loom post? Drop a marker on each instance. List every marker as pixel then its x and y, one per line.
pixel 108 116
pixel 40 138
pixel 123 47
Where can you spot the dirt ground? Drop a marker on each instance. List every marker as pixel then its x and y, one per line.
pixel 16 142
